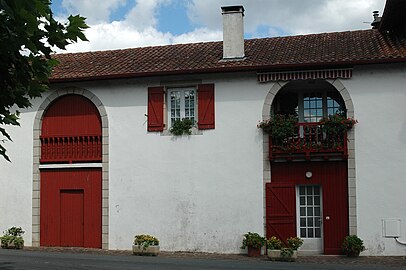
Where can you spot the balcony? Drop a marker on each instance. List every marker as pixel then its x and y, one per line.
pixel 71 149
pixel 310 141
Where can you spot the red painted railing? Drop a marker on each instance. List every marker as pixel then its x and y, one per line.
pixel 70 149
pixel 309 141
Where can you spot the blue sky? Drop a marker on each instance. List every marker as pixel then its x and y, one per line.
pixel 117 24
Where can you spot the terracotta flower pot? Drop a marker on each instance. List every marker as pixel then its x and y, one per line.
pixel 353 254
pixel 254 252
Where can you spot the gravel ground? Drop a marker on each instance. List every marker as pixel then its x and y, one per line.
pixel 390 261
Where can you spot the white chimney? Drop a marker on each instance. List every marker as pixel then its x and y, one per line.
pixel 233 32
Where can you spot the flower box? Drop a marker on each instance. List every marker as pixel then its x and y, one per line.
pixel 147 251
pixel 276 255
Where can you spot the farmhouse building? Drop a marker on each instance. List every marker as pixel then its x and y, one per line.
pixel 95 162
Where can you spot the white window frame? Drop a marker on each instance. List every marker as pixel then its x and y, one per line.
pixel 182 103
pixel 324 96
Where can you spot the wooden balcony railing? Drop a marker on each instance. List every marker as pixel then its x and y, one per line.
pixel 71 149
pixel 309 141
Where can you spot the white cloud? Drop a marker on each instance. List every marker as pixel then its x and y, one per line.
pixel 95 11
pixel 198 35
pixel 144 13
pixel 118 35
pixel 278 17
pixel 290 16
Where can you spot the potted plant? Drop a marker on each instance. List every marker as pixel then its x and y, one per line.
pixel 278 252
pixel 336 125
pixel 353 246
pixel 280 126
pixel 294 243
pixel 181 127
pixel 254 242
pixel 12 238
pixel 274 246
pixel 145 244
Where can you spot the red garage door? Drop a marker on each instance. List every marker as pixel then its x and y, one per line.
pixel 71 208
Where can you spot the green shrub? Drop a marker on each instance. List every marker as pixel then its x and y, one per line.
pixel 12 238
pixel 253 240
pixel 181 127
pixel 145 240
pixel 274 243
pixel 294 242
pixel 352 245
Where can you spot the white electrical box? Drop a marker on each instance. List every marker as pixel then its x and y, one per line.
pixel 391 227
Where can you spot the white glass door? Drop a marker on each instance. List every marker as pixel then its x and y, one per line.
pixel 309 217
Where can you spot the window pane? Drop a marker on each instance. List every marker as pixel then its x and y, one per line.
pixel 310 222
pixel 335 103
pixel 303 233
pixel 309 200
pixel 310 190
pixel 317 211
pixel 317 232
pixel 310 211
pixel 302 200
pixel 310 233
pixel 190 104
pixel 302 211
pixel 175 106
pixel 302 222
pixel 302 190
pixel 317 222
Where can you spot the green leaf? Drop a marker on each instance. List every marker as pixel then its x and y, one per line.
pixel 29 24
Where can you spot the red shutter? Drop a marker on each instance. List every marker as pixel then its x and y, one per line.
pixel 280 210
pixel 205 98
pixel 156 108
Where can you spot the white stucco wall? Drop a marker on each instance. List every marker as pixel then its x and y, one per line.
pixel 190 191
pixel 16 178
pixel 379 97
pixel 202 192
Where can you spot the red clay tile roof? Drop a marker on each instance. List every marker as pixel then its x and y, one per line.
pixel 266 54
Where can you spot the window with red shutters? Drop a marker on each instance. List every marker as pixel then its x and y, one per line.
pixel 156 108
pixel 205 107
pixel 205 97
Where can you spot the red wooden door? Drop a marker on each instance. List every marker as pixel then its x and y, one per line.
pixel 71 213
pixel 281 200
pixel 335 204
pixel 280 210
pixel 62 191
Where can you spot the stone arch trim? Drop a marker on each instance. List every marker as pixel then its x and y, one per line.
pixel 338 85
pixel 37 154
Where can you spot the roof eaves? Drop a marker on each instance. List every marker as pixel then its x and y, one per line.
pixel 256 68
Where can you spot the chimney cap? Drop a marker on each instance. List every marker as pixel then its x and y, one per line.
pixel 230 9
pixel 377 20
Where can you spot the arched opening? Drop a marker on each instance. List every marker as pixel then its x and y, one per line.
pixel 71 131
pixel 306 185
pixel 70 189
pixel 309 100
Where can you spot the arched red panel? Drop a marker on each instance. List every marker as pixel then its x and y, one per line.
pixel 71 131
pixel 71 115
